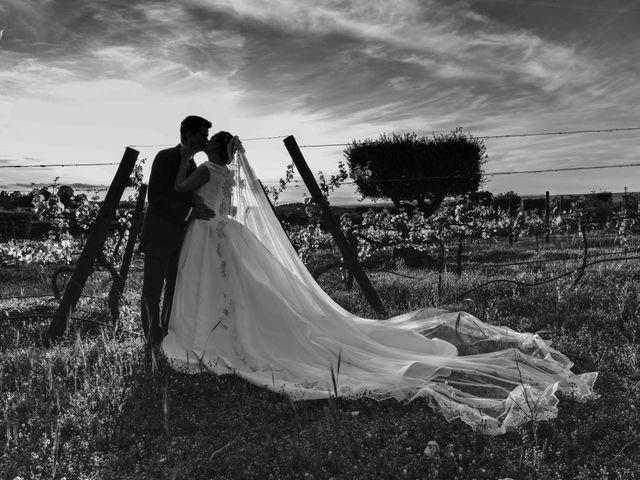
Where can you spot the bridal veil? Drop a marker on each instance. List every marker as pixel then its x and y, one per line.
pixel 295 340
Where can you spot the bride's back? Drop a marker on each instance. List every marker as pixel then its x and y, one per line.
pixel 216 193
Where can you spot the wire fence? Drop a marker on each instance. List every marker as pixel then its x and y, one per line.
pixel 297 185
pixel 576 271
pixel 580 270
pixel 486 174
pixel 326 145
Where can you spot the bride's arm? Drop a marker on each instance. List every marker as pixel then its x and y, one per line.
pixel 188 184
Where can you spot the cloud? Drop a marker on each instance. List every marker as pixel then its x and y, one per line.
pixel 332 60
pixel 123 72
pixel 359 61
pixel 148 41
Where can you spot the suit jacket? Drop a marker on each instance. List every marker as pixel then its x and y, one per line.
pixel 164 221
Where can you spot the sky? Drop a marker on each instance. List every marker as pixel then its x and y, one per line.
pixel 80 81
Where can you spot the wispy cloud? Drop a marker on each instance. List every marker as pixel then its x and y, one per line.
pixel 328 69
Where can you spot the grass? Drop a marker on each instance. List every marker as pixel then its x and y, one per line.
pixel 100 405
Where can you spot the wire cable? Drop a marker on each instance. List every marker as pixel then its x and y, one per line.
pixel 509 135
pixel 242 139
pixel 263 138
pixel 49 165
pixel 569 132
pixel 563 169
pixel 543 282
pixel 486 174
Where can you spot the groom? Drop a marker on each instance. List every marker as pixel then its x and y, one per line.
pixel 164 226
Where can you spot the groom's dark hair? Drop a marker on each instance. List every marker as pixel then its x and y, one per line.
pixel 192 124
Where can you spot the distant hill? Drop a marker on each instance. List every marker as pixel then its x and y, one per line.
pixel 345 195
pixel 344 198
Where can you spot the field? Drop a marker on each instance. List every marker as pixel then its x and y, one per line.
pixel 101 405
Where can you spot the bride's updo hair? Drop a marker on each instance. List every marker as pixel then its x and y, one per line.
pixel 221 141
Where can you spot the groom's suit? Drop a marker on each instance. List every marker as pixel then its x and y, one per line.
pixel 161 239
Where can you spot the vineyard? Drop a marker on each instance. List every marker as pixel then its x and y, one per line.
pixel 101 405
pixel 451 237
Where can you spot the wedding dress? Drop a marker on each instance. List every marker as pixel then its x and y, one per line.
pixel 245 304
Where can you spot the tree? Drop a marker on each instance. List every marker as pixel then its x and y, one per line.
pixel 44 191
pixel 537 205
pixel 597 206
pixel 5 199
pixel 409 169
pixel 20 199
pixel 605 197
pixel 507 201
pixel 65 193
pixel 481 198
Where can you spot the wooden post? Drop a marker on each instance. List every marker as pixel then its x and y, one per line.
pixel 136 223
pixel 546 217
pixel 93 246
pixel 119 279
pixel 350 258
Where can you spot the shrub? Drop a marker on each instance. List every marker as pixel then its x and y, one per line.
pixel 15 225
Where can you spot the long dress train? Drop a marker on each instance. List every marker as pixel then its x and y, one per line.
pixel 245 304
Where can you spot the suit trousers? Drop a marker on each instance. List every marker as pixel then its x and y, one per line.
pixel 159 271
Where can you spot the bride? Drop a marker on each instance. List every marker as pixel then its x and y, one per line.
pixel 245 304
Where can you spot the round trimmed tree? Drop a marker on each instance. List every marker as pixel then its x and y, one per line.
pixel 420 171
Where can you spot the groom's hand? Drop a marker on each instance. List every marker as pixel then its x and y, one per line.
pixel 200 211
pixel 187 151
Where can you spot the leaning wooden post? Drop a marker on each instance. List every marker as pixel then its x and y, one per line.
pixel 546 217
pixel 349 256
pixel 119 279
pixel 93 246
pixel 136 223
